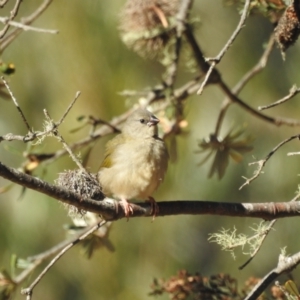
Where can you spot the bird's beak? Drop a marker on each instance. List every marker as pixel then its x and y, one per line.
pixel 153 121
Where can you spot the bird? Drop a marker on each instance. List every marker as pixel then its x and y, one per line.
pixel 135 162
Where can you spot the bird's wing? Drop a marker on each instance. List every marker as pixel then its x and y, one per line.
pixel 111 147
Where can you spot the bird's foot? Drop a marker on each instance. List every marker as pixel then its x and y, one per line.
pixel 127 208
pixel 154 207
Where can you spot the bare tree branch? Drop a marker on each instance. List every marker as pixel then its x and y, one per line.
pixel 261 163
pixel 265 234
pixel 285 264
pixel 111 209
pixel 261 64
pixel 3 2
pixel 293 92
pixel 28 291
pixel 218 58
pixel 194 85
pixel 9 38
pixel 13 14
pixel 17 105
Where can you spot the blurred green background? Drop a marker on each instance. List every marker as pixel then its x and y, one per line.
pixel 88 56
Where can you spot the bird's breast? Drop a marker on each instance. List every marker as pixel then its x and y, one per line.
pixel 137 169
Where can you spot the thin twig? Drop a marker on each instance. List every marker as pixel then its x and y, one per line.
pixel 234 98
pixel 293 153
pixel 34 134
pixel 96 121
pixel 53 250
pixel 293 92
pixel 204 82
pixel 218 58
pixel 6 20
pixel 69 108
pixel 257 68
pixel 263 237
pixel 16 104
pixel 261 163
pixel 9 38
pixel 3 2
pixel 215 78
pixel 261 64
pixel 235 33
pixel 28 291
pixel 13 14
pixel 198 54
pixel 55 132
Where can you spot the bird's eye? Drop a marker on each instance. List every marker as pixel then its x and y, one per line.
pixel 142 121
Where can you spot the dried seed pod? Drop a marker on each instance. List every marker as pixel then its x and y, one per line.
pixel 145 25
pixel 288 28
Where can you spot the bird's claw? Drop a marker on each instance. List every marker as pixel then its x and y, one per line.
pixel 154 207
pixel 127 208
